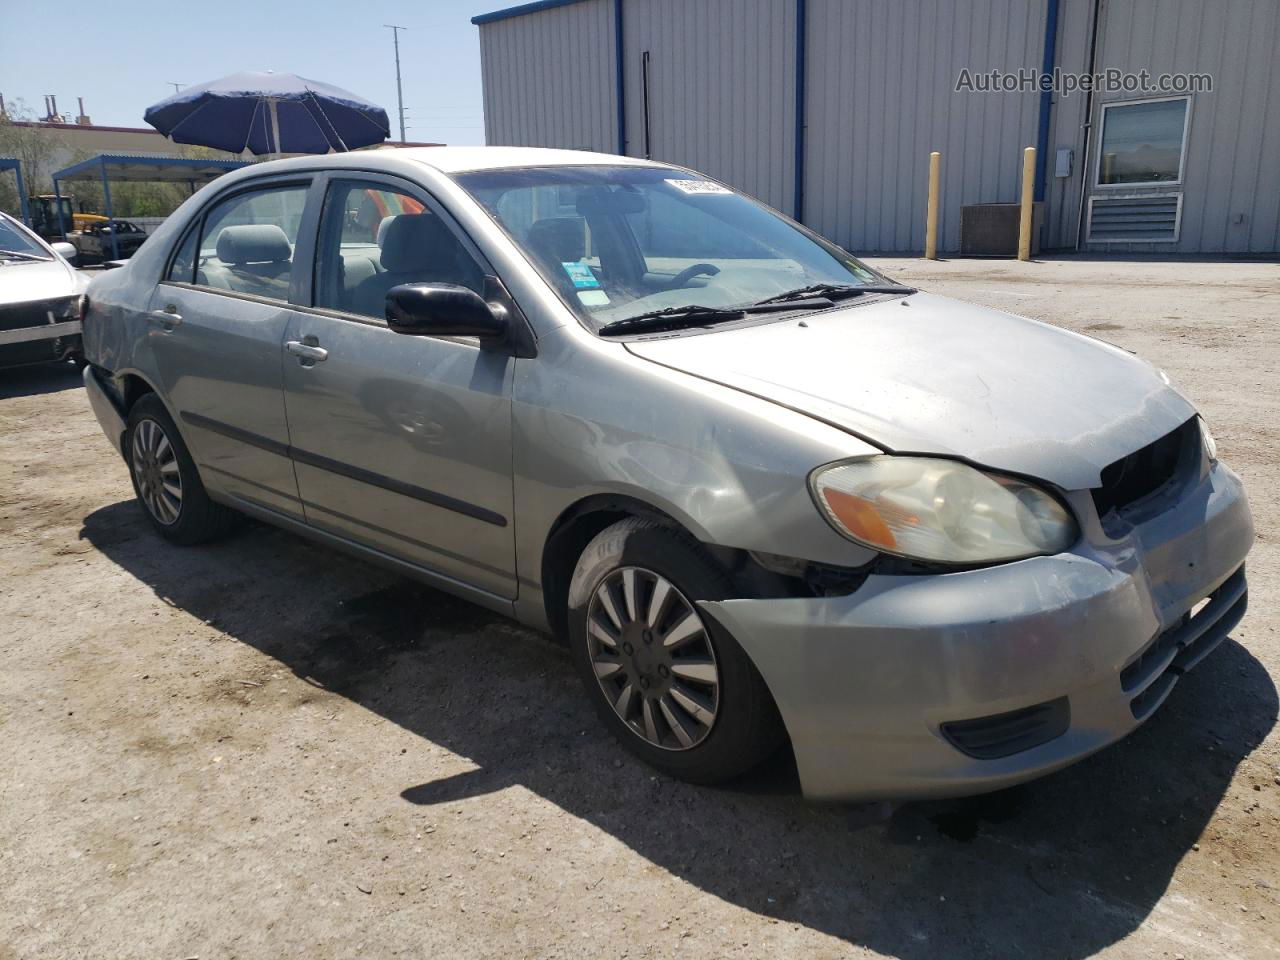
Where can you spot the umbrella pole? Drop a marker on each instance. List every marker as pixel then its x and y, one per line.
pixel 272 105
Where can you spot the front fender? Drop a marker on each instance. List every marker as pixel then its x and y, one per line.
pixel 592 419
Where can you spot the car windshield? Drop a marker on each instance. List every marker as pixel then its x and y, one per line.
pixel 15 240
pixel 618 242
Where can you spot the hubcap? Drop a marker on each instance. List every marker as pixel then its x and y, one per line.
pixel 653 658
pixel 155 467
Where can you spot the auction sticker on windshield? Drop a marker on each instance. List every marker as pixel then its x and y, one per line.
pixel 581 275
pixel 699 187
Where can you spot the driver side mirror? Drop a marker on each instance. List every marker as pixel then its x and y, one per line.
pixel 443 310
pixel 67 251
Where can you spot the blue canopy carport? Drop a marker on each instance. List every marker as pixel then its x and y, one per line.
pixel 106 167
pixel 14 164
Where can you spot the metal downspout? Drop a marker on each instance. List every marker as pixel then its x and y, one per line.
pixel 1088 123
pixel 798 187
pixel 1047 66
pixel 620 83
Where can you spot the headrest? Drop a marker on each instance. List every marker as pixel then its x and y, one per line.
pixel 415 242
pixel 562 239
pixel 253 243
pixel 382 228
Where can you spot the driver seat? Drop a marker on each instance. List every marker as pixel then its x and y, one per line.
pixel 416 248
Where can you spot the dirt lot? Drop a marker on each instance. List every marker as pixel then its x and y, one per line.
pixel 264 749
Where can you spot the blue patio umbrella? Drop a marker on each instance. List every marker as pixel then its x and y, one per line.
pixel 267 112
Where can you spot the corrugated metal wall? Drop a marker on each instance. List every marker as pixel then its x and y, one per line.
pixel 1232 165
pixel 721 89
pixel 881 95
pixel 880 79
pixel 549 78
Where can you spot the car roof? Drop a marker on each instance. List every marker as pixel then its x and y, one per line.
pixel 461 159
pixel 446 160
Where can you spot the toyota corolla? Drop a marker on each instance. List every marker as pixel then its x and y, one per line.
pixel 761 491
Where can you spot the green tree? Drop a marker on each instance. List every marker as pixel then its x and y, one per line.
pixel 35 147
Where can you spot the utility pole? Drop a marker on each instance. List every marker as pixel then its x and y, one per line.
pixel 177 87
pixel 395 32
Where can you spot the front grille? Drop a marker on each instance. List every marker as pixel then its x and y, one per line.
pixel 1152 674
pixel 33 313
pixel 1004 734
pixel 1134 480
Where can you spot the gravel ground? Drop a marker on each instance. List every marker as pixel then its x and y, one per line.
pixel 263 749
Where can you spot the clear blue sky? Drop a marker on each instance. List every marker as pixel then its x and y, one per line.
pixel 120 56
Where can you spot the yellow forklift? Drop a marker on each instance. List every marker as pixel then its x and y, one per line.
pixel 46 219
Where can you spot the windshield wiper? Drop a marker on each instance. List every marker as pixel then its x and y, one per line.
pixel 835 291
pixel 19 255
pixel 692 313
pixel 695 315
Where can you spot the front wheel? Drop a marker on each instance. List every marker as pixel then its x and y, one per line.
pixel 674 687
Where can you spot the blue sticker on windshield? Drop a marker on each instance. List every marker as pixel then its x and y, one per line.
pixel 581 275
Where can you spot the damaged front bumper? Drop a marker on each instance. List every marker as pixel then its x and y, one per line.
pixel 960 683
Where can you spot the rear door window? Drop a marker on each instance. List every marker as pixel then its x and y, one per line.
pixel 247 242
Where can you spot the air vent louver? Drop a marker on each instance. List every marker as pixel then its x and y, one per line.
pixel 1129 219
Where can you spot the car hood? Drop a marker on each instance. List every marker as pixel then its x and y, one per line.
pixel 926 374
pixel 39 280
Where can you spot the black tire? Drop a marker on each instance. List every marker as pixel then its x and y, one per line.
pixel 746 728
pixel 196 518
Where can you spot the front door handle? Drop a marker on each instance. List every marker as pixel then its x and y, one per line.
pixel 307 353
pixel 168 317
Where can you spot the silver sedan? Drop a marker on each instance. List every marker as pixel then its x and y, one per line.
pixel 764 493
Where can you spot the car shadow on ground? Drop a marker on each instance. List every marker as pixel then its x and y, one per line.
pixel 39 378
pixel 1062 867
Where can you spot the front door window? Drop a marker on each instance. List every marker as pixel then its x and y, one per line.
pixel 374 238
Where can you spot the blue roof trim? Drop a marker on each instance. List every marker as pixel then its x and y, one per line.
pixel 521 10
pixel 193 163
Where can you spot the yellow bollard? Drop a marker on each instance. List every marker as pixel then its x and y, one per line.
pixel 931 223
pixel 1028 195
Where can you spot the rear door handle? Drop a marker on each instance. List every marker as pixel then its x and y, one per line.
pixel 306 351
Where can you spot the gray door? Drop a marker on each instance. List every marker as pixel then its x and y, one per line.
pixel 219 319
pixel 400 443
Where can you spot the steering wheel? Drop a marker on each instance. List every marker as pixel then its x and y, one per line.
pixel 688 273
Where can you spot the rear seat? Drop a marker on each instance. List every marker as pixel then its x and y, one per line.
pixel 254 258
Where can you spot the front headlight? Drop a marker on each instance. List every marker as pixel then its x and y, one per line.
pixel 941 510
pixel 67 308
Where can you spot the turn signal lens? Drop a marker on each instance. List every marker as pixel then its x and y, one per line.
pixel 941 510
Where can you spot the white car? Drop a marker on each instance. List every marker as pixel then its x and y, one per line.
pixel 40 298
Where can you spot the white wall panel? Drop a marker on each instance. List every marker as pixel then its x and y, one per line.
pixel 549 78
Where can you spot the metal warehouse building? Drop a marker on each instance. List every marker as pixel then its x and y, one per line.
pixel 828 109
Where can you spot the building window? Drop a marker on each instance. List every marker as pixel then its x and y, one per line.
pixel 1143 142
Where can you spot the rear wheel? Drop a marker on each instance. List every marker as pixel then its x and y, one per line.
pixel 165 478
pixel 674 687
